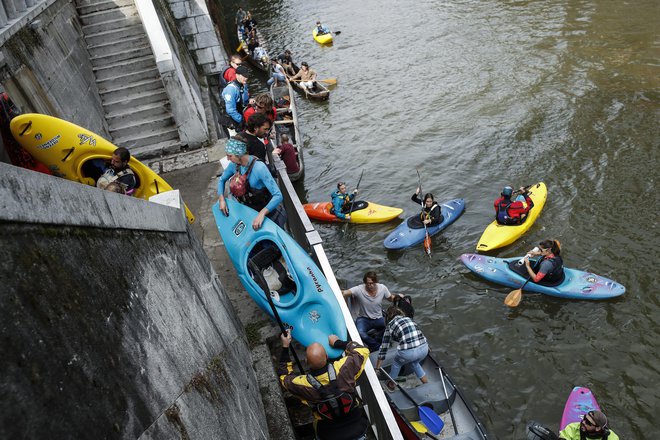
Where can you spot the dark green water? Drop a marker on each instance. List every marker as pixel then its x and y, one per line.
pixel 479 94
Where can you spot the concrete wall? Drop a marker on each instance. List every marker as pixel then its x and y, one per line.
pixel 114 324
pixel 46 68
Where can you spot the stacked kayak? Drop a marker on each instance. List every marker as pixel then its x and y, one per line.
pixel 303 298
pixel 458 420
pixel 408 233
pixel 497 235
pixel 508 272
pixel 65 148
pixel 370 213
pixel 323 38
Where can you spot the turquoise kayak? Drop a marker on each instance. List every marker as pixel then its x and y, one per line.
pixel 300 292
pixel 576 284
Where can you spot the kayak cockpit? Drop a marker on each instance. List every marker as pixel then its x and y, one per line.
pixel 268 268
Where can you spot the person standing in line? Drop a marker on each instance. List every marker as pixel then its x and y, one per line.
pixel 367 298
pixel 236 97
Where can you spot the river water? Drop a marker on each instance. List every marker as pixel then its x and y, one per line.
pixel 476 95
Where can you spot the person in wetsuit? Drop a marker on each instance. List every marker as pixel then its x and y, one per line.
pixel 431 214
pixel 550 266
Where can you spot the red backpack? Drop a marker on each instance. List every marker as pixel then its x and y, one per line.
pixel 238 184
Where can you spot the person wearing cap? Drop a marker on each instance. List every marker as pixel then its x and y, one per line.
pixel 592 426
pixel 512 212
pixel 251 184
pixel 236 98
pixel 341 202
pixel 305 75
pixel 320 29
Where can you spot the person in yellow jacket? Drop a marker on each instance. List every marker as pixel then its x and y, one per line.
pixel 329 388
pixel 592 426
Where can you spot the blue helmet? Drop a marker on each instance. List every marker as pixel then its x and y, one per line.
pixel 507 191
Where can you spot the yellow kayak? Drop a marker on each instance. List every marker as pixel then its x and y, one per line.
pixel 322 39
pixel 65 147
pixel 372 213
pixel 497 235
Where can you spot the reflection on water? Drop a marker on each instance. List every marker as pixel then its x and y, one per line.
pixel 476 95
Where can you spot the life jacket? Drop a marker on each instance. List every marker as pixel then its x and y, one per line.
pixel 426 215
pixel 346 202
pixel 239 187
pixel 110 175
pixel 502 214
pixel 335 404
pixel 557 272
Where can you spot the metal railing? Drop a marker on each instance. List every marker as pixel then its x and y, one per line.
pixel 301 228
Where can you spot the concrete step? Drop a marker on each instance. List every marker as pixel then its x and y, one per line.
pixel 138 127
pixel 87 7
pixel 119 46
pixel 115 35
pixel 124 67
pixel 127 80
pixel 151 111
pixel 109 25
pixel 135 100
pixel 127 91
pixel 157 150
pixel 122 55
pixel 147 138
pixel 99 17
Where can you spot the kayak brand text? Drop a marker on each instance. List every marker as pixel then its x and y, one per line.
pixel 316 281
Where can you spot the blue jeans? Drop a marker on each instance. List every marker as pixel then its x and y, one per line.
pixel 276 76
pixel 411 356
pixel 364 325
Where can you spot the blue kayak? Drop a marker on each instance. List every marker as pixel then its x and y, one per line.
pixel 303 298
pixel 576 284
pixel 405 236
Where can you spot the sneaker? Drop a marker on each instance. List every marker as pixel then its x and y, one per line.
pixel 391 385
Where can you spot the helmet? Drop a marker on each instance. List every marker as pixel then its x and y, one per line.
pixel 507 191
pixel 536 431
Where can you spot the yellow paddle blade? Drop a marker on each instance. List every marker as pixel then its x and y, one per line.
pixel 240 46
pixel 330 81
pixel 513 298
pixel 419 427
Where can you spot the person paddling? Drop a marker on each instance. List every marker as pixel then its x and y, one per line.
pixel 551 265
pixel 341 202
pixel 431 214
pixel 512 212
pixel 592 426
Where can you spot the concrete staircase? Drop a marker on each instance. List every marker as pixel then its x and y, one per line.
pixel 137 108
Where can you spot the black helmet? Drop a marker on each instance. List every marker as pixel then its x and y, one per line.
pixel 536 431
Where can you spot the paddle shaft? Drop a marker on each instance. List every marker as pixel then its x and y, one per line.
pixel 261 282
pixel 426 231
pixel 451 411
pixel 356 188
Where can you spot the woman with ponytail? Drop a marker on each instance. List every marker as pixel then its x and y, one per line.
pixel 550 265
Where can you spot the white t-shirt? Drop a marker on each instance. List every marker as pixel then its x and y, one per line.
pixel 369 306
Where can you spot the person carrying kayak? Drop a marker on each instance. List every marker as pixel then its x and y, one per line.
pixel 329 387
pixel 512 212
pixel 551 265
pixel 431 214
pixel 341 202
pixel 251 183
pixel 592 426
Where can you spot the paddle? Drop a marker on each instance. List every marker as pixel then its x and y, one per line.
pixel 432 421
pixel 262 282
pixel 427 237
pixel 330 81
pixel 514 297
pixel 451 411
pixel 240 46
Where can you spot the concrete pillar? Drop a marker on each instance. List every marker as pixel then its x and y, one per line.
pixel 20 6
pixel 3 15
pixel 10 9
pixel 30 3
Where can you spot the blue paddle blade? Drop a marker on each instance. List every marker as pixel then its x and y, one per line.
pixel 432 421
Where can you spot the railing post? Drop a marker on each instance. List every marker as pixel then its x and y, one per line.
pixel 3 15
pixel 20 6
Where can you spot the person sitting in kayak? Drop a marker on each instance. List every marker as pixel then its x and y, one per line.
pixel 592 426
pixel 320 29
pixel 117 170
pixel 412 348
pixel 512 212
pixel 329 387
pixel 251 183
pixel 551 265
pixel 341 202
pixel 431 214
pixel 306 76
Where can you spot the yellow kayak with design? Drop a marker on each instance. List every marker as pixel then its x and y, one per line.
pixel 65 148
pixel 363 212
pixel 497 235
pixel 323 38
